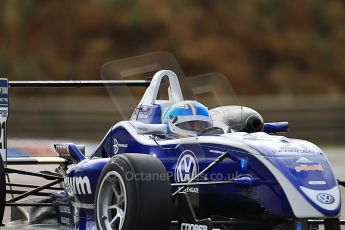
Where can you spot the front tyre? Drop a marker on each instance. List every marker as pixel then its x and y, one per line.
pixel 133 192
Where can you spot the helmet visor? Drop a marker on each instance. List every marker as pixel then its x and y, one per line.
pixel 196 126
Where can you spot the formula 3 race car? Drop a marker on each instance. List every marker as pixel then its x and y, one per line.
pixel 234 173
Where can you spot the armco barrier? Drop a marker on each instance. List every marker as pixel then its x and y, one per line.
pixel 316 118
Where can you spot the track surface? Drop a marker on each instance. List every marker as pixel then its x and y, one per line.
pixel 336 156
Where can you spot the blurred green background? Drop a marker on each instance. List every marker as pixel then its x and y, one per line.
pixel 294 50
pixel 265 47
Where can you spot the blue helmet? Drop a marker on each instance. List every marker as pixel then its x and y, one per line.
pixel 187 118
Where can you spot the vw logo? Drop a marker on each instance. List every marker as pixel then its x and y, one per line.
pixel 325 198
pixel 187 167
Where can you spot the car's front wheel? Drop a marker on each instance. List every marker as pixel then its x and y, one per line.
pixel 133 192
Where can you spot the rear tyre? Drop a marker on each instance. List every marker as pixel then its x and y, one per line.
pixel 2 190
pixel 133 192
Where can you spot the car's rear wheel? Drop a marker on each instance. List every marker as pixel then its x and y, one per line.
pixel 2 190
pixel 133 192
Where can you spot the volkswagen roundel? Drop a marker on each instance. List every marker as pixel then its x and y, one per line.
pixel 325 198
pixel 187 167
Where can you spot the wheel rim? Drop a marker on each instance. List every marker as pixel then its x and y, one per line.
pixel 112 202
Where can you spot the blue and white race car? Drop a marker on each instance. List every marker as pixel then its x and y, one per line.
pixel 177 165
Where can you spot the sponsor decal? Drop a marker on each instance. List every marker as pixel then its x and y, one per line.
pixel 142 130
pixel 187 167
pixel 65 220
pixel 185 226
pixel 143 112
pixel 303 160
pixel 143 115
pixel 325 198
pixel 65 209
pixel 305 167
pixel 192 190
pixel 117 146
pixel 316 182
pixel 62 150
pixel 216 151
pixel 244 163
pixel 294 148
pixel 82 205
pixel 77 185
pixel 4 113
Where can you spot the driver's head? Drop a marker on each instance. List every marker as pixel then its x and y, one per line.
pixel 187 118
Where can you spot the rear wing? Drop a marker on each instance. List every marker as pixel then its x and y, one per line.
pixel 5 85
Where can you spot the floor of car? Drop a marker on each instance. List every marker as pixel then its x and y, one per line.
pixel 24 226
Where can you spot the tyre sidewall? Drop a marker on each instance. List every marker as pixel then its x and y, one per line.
pixel 2 189
pixel 148 202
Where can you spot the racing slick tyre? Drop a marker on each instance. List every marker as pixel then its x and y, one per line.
pixel 2 190
pixel 133 192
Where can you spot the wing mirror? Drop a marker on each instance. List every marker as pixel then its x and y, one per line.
pixel 149 129
pixel 276 127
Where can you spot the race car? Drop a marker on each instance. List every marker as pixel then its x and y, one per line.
pixel 175 164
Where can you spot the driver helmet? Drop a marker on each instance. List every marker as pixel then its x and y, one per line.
pixel 187 118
